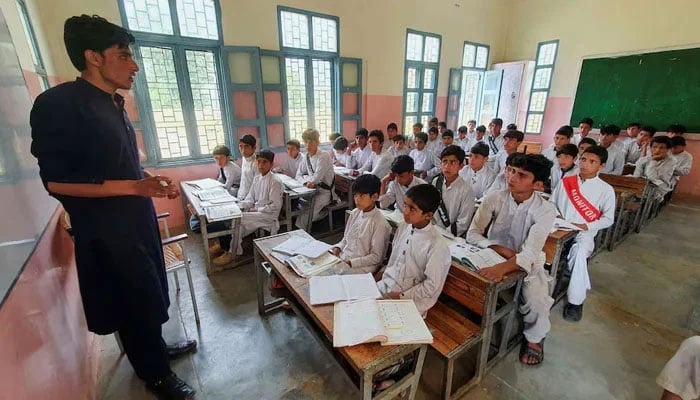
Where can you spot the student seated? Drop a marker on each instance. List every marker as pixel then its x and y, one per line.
pixel 477 174
pixel 479 137
pixel 395 185
pixel 511 141
pixel 229 172
pixel 584 129
pixel 399 146
pixel 495 138
pixel 420 257
pixel 360 151
pixel 511 127
pixel 584 144
pixel 333 136
pixel 520 221
pixel 684 160
pixel 247 146
pixel 379 161
pixel 433 123
pixel 341 157
pixel 565 165
pixel 462 140
pixel 457 197
pixel 562 136
pixel 675 130
pixel 641 146
pixel 261 207
pixel 657 167
pixel 632 133
pixel 367 232
pixel 294 157
pixel 417 128
pixel 392 130
pixel 448 138
pixel 426 163
pixel 616 152
pixel 434 144
pixel 315 172
pixel 589 203
pixel 680 378
pixel 442 127
pixel 501 181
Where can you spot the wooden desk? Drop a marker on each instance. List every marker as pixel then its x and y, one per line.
pixel 287 198
pixel 343 184
pixel 360 362
pixel 188 197
pixel 554 250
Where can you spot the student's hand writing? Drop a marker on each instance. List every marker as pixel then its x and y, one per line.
pixel 494 273
pixel 152 187
pixel 394 295
pixel 583 227
pixel 502 251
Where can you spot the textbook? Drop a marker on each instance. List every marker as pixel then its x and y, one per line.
pixel 389 322
pixel 204 184
pixel 288 182
pixel 308 247
pixel 214 194
pixel 564 225
pixel 335 288
pixel 394 217
pixel 222 212
pixel 341 170
pixel 473 257
pixel 307 267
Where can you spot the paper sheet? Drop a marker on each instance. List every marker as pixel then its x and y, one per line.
pixel 402 322
pixel 306 267
pixel 206 183
pixel 222 212
pixel 393 216
pixel 213 194
pixel 288 182
pixel 475 257
pixel 562 224
pixel 341 170
pixel 334 288
pixel 356 322
pixel 313 248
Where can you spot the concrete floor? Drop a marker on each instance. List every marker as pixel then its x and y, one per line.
pixel 634 318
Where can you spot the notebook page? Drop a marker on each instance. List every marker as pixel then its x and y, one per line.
pixel 313 248
pixel 402 322
pixel 356 322
pixel 360 286
pixel 326 289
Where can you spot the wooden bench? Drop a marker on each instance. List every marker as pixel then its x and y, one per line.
pixel 532 147
pixel 632 196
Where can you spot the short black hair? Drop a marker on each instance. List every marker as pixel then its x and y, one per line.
pixel 665 140
pixel 565 130
pixel 600 151
pixel 453 150
pixel 434 120
pixel 426 197
pixel 92 33
pixel 402 163
pixel 269 155
pixel 249 140
pixel 398 138
pixel 512 127
pixel 677 141
pixel 442 124
pixel 294 142
pixel 393 126
pixel 511 157
pixel 472 121
pixel 481 149
pixel 367 184
pixel 517 135
pixel 434 130
pixel 221 150
pixel 676 128
pixel 481 128
pixel 462 129
pixel 610 129
pixel 588 141
pixel 568 149
pixel 418 124
pixel 650 129
pixel 537 164
pixel 423 137
pixel 378 134
pixel 587 120
pixel 497 121
pixel 362 132
pixel 340 143
pixel 631 124
pixel 449 133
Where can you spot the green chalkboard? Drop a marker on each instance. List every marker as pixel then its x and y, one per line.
pixel 655 89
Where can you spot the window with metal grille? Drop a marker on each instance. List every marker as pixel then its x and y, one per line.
pixel 541 83
pixel 420 77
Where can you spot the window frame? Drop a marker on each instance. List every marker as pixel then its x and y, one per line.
pixel 481 72
pixel 420 66
pixel 179 45
pixel 39 66
pixel 546 90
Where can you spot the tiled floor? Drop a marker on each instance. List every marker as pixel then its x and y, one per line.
pixel 634 318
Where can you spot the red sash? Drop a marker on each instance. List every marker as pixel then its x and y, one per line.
pixel 581 204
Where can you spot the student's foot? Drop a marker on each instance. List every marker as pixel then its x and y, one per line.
pixel 531 353
pixel 223 259
pixel 171 388
pixel 176 350
pixel 573 312
pixel 215 250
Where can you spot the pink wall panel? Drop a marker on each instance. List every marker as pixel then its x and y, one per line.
pixel 441 108
pixel 244 105
pixel 381 110
pixel 275 135
pixel 350 104
pixel 349 129
pixel 273 103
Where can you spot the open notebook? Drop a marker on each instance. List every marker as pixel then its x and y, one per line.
pixel 389 322
pixel 335 288
pixel 474 257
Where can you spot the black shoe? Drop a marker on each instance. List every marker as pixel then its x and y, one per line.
pixel 171 388
pixel 573 312
pixel 179 349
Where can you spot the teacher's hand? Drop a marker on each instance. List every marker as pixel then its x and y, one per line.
pixel 152 187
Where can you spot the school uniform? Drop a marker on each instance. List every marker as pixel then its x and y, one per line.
pixel 495 143
pixel 551 153
pixel 499 183
pixel 435 146
pixel 248 171
pixel 291 165
pixel 557 174
pixel 480 180
pixel 684 162
pixel 341 158
pixel 616 160
pixel 317 169
pixel 378 165
pixel 360 156
pixel 462 143
pixel 261 207
pixel 230 176
pixel 364 242
pixel 681 375
pixel 498 162
pixel 396 193
pixel 418 266
pixel 577 138
pixel 634 152
pixel 660 173
pixel 402 152
pixel 590 202
pixel 523 228
pixel 457 206
pixel 425 161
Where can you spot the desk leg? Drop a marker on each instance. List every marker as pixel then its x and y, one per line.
pixel 288 212
pixel 555 267
pixel 366 386
pixel 510 319
pixel 311 213
pixel 259 282
pixel 235 231
pixel 205 239
pixel 417 371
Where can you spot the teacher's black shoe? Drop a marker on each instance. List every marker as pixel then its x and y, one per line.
pixel 179 349
pixel 171 388
pixel 573 312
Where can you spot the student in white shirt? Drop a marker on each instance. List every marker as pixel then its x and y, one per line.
pixel 379 162
pixel 640 147
pixel 448 138
pixel 367 232
pixel 562 136
pixel 261 207
pixel 564 165
pixel 675 130
pixel 399 146
pixel 392 130
pixel 340 156
pixel 442 127
pixel 315 172
pixel 511 141
pixel 657 167
pixel 457 197
pixel 247 146
pixel 434 143
pixel 501 181
pixel 519 222
pixel 477 173
pixel 495 139
pixel 584 129
pixel 584 144
pixel 462 139
pixel 589 203
pixel 229 172
pixel 632 132
pixel 294 157
pixel 479 137
pixel 616 151
pixel 680 378
pixel 397 182
pixel 426 162
pixel 360 151
pixel 420 257
pixel 684 160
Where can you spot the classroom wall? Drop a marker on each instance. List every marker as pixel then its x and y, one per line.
pixel 597 28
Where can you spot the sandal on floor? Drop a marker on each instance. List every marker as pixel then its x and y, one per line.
pixel 527 351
